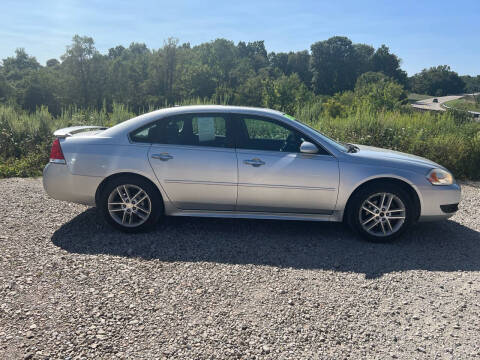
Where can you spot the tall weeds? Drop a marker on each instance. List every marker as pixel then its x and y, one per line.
pixel 447 138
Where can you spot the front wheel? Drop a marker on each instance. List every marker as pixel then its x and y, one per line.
pixel 130 204
pixel 381 213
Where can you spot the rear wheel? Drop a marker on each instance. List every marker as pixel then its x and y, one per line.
pixel 381 212
pixel 130 204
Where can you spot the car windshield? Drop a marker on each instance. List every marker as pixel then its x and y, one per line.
pixel 337 145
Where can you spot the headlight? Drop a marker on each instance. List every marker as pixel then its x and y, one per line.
pixel 440 177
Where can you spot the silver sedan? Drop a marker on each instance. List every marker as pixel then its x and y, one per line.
pixel 240 162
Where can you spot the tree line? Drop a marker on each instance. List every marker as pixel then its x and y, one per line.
pixel 242 73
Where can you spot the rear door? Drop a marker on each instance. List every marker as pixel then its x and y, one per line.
pixel 274 176
pixel 193 157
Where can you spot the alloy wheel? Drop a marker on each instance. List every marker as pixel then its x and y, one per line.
pixel 382 214
pixel 129 205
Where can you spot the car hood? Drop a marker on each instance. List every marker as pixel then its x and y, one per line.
pixel 373 153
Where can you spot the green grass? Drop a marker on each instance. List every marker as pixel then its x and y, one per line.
pixel 467 103
pixel 412 97
pixel 449 138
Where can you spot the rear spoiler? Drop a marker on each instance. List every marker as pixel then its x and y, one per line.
pixel 63 133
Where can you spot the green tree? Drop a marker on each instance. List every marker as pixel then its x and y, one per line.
pixel 437 81
pixel 39 89
pixel 368 78
pixel 198 81
pixel 6 90
pixel 219 70
pixel 128 72
pixel 285 93
pixel 257 54
pixel 77 65
pixel 389 64
pixel 16 68
pixel 52 63
pixel 279 61
pixel 22 82
pixel 333 65
pixel 472 83
pixel 250 93
pixel 363 54
pixel 221 56
pixel 299 63
pixel 169 53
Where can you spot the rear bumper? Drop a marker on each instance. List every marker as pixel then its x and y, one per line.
pixel 60 184
pixel 439 202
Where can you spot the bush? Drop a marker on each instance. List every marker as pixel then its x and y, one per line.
pixel 30 165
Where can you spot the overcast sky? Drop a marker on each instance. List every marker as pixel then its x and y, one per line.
pixel 422 33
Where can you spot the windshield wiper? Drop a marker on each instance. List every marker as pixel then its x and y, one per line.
pixel 352 148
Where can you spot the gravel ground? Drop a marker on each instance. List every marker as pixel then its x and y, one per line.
pixel 70 287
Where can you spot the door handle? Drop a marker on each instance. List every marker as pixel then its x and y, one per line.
pixel 254 162
pixel 162 156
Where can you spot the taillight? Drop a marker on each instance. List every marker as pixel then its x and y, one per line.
pixel 56 154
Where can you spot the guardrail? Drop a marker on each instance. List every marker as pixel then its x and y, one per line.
pixel 474 113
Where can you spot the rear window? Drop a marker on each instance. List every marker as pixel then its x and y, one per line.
pixel 140 135
pixel 194 130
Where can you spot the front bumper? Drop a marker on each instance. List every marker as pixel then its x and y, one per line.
pixel 439 202
pixel 61 184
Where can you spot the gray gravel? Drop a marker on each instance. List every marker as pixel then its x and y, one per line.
pixel 70 287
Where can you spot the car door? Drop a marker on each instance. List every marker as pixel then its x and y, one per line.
pixel 274 176
pixel 195 161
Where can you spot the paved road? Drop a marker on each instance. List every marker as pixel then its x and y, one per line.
pixel 428 104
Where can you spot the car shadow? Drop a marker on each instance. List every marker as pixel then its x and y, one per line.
pixel 441 246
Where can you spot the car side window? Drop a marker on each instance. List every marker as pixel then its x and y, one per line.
pixel 265 130
pixel 194 130
pixel 163 131
pixel 269 135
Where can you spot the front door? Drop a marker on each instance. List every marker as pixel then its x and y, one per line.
pixel 194 159
pixel 275 177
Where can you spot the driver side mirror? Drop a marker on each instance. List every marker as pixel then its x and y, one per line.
pixel 308 148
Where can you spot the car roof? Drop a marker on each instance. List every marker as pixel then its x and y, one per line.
pixel 228 108
pixel 211 108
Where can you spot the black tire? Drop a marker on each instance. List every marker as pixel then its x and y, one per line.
pixel 155 203
pixel 357 201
